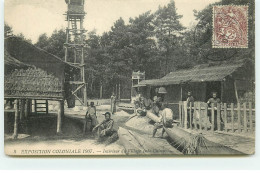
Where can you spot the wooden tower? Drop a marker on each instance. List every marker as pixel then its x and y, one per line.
pixel 74 46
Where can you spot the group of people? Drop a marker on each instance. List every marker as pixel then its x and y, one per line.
pixel 102 129
pixel 212 102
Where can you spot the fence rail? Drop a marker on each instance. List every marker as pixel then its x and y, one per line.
pixel 239 118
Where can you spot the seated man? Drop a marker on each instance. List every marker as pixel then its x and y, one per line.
pixel 166 119
pixel 105 128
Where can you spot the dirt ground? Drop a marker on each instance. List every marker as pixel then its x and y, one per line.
pixel 43 138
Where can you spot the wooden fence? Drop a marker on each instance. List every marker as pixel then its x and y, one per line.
pixel 234 118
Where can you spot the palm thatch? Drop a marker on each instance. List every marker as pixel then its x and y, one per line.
pixel 32 82
pixel 200 73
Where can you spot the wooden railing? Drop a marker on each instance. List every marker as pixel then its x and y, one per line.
pixel 234 118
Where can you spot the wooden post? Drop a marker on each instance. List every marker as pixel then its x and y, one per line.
pixel 60 116
pixel 212 117
pixel 180 113
pixel 194 114
pixel 225 116
pixel 35 106
pixel 250 117
pixel 200 117
pixel 119 93
pixel 206 117
pixel 22 106
pixel 185 114
pixel 101 92
pixel 190 115
pixel 232 117
pixel 245 118
pixel 16 119
pixel 26 110
pixel 218 116
pixel 238 117
pixel 47 107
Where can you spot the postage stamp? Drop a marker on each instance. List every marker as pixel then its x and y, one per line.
pixel 230 26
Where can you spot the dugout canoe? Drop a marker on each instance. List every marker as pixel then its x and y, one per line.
pixel 196 143
pixel 137 144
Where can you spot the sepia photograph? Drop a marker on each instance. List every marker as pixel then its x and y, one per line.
pixel 139 78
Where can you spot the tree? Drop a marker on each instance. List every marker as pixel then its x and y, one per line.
pixel 8 31
pixel 168 31
pixel 43 41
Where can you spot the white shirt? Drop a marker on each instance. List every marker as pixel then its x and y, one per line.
pixel 167 114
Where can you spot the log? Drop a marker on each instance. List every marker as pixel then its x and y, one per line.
pixel 153 117
pixel 196 143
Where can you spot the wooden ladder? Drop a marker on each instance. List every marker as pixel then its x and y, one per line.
pixel 43 104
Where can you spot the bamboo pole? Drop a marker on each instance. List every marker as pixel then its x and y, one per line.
pixel 225 116
pixel 218 116
pixel 245 118
pixel 16 123
pixel 239 117
pixel 200 117
pixel 250 117
pixel 212 117
pixel 232 117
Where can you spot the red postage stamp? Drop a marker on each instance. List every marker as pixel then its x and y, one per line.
pixel 230 26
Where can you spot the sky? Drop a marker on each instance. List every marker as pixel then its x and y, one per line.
pixel 35 17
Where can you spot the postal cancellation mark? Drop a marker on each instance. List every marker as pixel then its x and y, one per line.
pixel 230 26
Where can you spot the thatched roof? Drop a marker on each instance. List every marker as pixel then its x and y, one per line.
pixel 202 73
pixel 32 83
pixel 12 62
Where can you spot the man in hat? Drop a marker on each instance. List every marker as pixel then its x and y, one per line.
pixel 91 116
pixel 214 101
pixel 190 100
pixel 166 119
pixel 105 128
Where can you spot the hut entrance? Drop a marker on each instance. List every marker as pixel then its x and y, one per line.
pixel 213 87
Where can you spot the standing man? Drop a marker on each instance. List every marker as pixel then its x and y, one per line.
pixel 214 100
pixel 189 100
pixel 90 117
pixel 113 103
pixel 166 119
